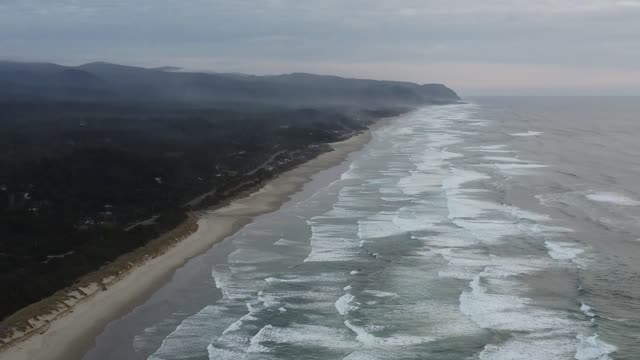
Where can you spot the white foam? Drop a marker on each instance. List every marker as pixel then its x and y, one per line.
pixel 238 324
pixel 537 228
pixel 460 176
pixel 419 183
pixel 613 198
pixel 504 159
pixel 519 166
pixel 381 294
pixel 223 279
pixel 268 300
pixel 488 147
pixel 495 299
pixel 563 251
pixel 303 335
pixel 252 256
pixel 216 353
pixel 591 348
pixel 528 133
pixel 416 218
pixel 361 355
pixel 457 274
pixel 285 242
pixel 517 169
pixel 351 173
pixel 440 140
pixel 330 242
pixel 507 312
pixel 302 279
pixel 254 343
pixel 448 237
pixel 145 341
pixel 379 225
pixel 193 334
pixel 343 212
pixel 519 213
pixel 346 304
pixel 498 148
pixel 464 258
pixel 530 349
pixel 467 207
pixel 497 151
pixel 396 198
pixel 433 160
pixel 586 309
pixel 566 198
pixel 489 231
pixel 370 340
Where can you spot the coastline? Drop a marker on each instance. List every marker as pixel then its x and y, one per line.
pixel 68 334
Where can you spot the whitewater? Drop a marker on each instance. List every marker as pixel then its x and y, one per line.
pixel 452 235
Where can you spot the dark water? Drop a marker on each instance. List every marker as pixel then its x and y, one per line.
pixel 506 228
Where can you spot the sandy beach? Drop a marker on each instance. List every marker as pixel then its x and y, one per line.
pixel 69 335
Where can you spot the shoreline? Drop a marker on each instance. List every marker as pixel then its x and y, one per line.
pixel 70 333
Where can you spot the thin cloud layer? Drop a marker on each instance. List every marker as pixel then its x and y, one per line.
pixel 553 39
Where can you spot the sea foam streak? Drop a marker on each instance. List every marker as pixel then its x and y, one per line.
pixel 592 348
pixel 410 251
pixel 562 250
pixel 613 198
pixel 528 133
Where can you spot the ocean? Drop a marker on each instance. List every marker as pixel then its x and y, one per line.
pixel 502 228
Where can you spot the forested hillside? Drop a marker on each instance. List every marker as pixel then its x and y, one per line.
pixel 97 160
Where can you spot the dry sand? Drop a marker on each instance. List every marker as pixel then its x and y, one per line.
pixel 70 335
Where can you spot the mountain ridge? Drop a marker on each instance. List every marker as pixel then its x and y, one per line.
pixel 108 82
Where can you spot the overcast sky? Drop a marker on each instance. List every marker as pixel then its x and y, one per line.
pixel 474 46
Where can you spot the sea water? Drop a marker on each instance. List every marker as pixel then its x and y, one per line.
pixel 503 228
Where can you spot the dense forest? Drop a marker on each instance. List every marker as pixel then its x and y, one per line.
pixel 97 160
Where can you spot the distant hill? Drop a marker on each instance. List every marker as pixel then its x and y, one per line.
pixel 105 82
pixel 98 160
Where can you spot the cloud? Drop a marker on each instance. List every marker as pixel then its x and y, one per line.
pixel 565 34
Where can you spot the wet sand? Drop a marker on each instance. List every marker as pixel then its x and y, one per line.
pixel 70 336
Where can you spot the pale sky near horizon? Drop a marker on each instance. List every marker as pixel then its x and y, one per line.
pixel 543 47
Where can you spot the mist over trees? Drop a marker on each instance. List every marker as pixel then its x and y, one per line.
pixel 97 160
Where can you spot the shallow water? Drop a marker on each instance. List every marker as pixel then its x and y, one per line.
pixel 506 228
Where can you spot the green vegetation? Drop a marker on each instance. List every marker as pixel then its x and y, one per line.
pixel 96 161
